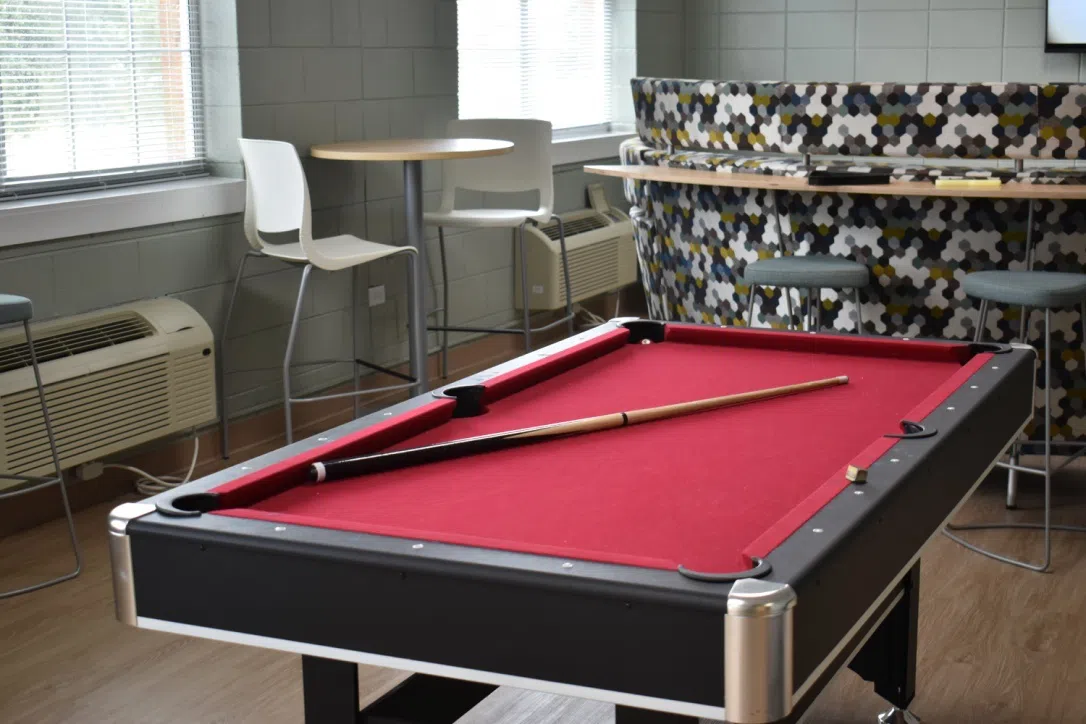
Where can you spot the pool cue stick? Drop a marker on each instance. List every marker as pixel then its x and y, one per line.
pixel 332 470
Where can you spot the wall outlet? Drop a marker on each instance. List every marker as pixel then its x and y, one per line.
pixel 377 295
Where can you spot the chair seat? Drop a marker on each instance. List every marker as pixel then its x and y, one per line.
pixel 805 272
pixel 15 309
pixel 479 218
pixel 339 252
pixel 1040 289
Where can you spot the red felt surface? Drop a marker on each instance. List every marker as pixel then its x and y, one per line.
pixel 705 491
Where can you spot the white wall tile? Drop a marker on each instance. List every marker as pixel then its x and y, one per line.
pixel 301 23
pixel 752 30
pixel 1033 65
pixel 1024 28
pixel 333 74
pixel 965 4
pixel 892 29
pixel 968 65
pixel 387 73
pixel 892 5
pixel 966 29
pixel 752 64
pixel 411 23
pixel 835 30
pixel 751 6
pixel 253 23
pixel 820 64
pixel 902 65
pixel 346 23
pixel 817 5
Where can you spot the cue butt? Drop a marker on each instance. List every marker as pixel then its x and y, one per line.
pixel 318 473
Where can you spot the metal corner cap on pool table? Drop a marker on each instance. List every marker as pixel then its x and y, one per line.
pixel 120 557
pixel 758 652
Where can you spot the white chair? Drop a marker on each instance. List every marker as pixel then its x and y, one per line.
pixel 277 202
pixel 526 168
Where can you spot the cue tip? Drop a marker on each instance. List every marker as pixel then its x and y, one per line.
pixel 317 473
pixel 843 379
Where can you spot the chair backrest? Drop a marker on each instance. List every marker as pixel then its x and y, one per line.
pixel 526 168
pixel 276 193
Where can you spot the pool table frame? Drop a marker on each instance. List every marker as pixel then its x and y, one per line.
pixel 661 646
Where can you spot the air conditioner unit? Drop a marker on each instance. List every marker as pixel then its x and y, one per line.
pixel 113 379
pixel 602 256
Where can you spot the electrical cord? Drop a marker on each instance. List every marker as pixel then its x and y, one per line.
pixel 148 484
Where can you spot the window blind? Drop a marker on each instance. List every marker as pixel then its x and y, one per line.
pixel 95 92
pixel 547 59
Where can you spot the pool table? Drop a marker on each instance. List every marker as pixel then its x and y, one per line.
pixel 720 565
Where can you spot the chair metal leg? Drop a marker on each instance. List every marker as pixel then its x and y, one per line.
pixel 289 354
pixel 788 304
pixel 444 304
pixel 59 479
pixel 224 422
pixel 356 376
pixel 750 304
pixel 418 359
pixel 524 296
pixel 859 311
pixel 565 271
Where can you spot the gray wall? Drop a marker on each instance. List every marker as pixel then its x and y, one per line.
pixel 872 40
pixel 314 71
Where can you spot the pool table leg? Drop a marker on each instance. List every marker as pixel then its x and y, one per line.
pixel 330 689
pixel 630 715
pixel 888 659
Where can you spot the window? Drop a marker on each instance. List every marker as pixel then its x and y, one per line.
pixel 97 92
pixel 548 59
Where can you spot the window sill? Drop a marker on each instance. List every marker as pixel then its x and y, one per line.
pixel 94 212
pixel 565 151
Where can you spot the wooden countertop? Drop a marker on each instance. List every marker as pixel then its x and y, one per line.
pixel 411 149
pixel 1064 192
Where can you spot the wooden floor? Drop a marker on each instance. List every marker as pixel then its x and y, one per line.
pixel 996 644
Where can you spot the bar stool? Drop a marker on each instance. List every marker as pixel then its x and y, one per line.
pixel 527 168
pixel 1030 290
pixel 14 309
pixel 812 272
pixel 276 203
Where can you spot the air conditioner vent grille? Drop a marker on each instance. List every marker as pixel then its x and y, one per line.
pixel 72 342
pixel 575 226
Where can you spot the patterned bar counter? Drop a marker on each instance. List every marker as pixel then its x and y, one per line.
pixel 694 240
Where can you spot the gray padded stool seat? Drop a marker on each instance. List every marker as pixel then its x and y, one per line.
pixel 19 310
pixel 813 272
pixel 1037 289
pixel 15 309
pixel 804 272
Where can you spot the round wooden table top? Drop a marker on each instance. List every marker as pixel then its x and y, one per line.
pixel 411 149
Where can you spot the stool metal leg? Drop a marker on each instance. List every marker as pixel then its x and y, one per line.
pixel 355 375
pixel 982 321
pixel 859 311
pixel 787 291
pixel 444 304
pixel 565 270
pixel 524 296
pixel 289 354
pixel 750 304
pixel 59 479
pixel 1012 474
